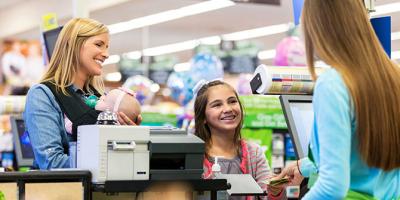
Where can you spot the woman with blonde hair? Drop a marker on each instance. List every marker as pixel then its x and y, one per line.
pixel 354 149
pixel 73 76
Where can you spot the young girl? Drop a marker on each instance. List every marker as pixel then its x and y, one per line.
pixel 218 121
pixel 354 146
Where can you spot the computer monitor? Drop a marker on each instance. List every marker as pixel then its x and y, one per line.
pixel 299 117
pixel 50 39
pixel 22 146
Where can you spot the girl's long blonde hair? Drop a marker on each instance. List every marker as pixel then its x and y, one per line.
pixel 339 32
pixel 64 62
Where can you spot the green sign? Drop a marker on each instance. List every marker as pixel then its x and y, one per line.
pixel 262 137
pixel 263 111
pixel 159 119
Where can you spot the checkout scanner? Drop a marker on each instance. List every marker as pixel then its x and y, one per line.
pixel 139 153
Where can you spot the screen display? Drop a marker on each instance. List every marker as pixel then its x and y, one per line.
pixel 50 39
pixel 26 148
pixel 303 117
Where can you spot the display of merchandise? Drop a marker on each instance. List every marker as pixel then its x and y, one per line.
pixel 142 86
pixel 206 66
pixel 243 85
pixel 181 85
pixel 284 80
pixel 289 148
pixel 290 52
pixel 12 104
pixel 7 160
pixel 6 143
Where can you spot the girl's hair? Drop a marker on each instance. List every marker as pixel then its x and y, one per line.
pixel 64 62
pixel 201 129
pixel 339 32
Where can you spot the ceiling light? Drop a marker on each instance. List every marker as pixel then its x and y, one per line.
pixel 396 36
pixel 267 54
pixel 170 48
pixel 113 77
pixel 395 55
pixel 213 40
pixel 180 67
pixel 169 15
pixel 386 9
pixel 135 55
pixel 258 32
pixel 112 59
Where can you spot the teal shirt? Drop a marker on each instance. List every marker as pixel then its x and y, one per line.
pixel 334 146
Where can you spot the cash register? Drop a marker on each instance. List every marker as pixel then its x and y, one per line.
pixel 113 152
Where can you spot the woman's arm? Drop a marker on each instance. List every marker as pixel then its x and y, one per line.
pixel 46 132
pixel 333 127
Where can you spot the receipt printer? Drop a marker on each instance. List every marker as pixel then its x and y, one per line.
pixel 174 154
pixel 114 152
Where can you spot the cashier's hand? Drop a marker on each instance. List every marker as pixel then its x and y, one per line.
pixel 292 172
pixel 124 120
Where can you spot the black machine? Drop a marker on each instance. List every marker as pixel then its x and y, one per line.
pixel 22 146
pixel 174 154
pixel 299 117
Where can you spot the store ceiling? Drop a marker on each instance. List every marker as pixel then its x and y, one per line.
pixel 242 16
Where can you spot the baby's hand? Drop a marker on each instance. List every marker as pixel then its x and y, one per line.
pixel 124 120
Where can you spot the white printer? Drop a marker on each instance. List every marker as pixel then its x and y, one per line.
pixel 114 152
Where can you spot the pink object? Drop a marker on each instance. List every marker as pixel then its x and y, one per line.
pixel 117 100
pixel 290 52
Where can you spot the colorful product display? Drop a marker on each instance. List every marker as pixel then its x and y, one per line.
pixel 12 104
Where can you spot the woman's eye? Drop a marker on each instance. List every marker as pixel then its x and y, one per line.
pixel 98 45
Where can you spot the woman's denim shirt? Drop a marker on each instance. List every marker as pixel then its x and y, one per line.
pixel 44 122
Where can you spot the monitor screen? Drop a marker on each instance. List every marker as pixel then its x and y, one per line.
pixel 50 39
pixel 23 149
pixel 299 117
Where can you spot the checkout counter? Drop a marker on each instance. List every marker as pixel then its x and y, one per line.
pixel 129 159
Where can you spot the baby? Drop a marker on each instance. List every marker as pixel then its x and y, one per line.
pixel 117 100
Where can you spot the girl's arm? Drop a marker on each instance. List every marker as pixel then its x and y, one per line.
pixel 42 120
pixel 263 172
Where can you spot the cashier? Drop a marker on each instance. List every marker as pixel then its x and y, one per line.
pixel 73 77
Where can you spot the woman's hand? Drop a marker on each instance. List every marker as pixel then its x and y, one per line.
pixel 292 172
pixel 275 189
pixel 124 120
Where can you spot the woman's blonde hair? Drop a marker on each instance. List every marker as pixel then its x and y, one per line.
pixel 64 62
pixel 339 32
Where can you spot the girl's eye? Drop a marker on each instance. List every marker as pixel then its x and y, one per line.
pixel 98 45
pixel 233 101
pixel 216 105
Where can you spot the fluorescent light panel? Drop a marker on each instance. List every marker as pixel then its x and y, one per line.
pixel 395 55
pixel 258 32
pixel 169 15
pixel 386 9
pixel 171 48
pixel 112 59
pixel 396 36
pixel 180 67
pixel 267 54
